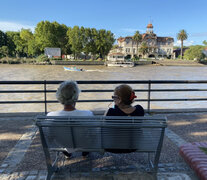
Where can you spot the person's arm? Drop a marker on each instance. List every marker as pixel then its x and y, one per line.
pixel 106 112
pixel 141 110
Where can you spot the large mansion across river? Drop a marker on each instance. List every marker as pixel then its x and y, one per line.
pixel 158 47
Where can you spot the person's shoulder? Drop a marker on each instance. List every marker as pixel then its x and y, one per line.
pixel 85 112
pixel 138 106
pixel 111 112
pixel 139 109
pixel 53 113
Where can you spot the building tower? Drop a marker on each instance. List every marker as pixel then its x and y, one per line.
pixel 149 28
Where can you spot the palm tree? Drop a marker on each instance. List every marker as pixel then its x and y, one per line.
pixel 182 35
pixel 137 38
pixel 144 48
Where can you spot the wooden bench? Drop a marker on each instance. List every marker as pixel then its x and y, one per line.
pixel 97 133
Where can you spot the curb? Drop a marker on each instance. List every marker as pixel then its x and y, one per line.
pixel 195 158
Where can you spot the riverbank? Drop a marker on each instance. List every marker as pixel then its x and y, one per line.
pixel 168 62
pixel 164 62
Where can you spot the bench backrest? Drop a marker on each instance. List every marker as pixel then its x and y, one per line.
pixel 95 133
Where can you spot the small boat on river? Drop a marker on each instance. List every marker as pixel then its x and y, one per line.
pixel 72 69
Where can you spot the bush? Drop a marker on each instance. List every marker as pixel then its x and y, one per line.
pixel 194 52
pixel 99 59
pixel 135 58
pixel 42 58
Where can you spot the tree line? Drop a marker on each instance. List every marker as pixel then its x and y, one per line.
pixel 71 40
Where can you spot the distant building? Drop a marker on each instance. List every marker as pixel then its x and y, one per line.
pixel 116 57
pixel 177 52
pixel 53 52
pixel 205 51
pixel 158 47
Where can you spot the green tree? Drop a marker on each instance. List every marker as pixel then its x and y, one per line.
pixel 93 45
pixel 44 35
pixel 4 51
pixel 205 42
pixel 3 39
pixel 26 37
pixel 60 31
pixel 182 35
pixel 15 43
pixel 194 52
pixel 104 42
pixel 137 38
pixel 143 48
pixel 90 41
pixel 49 34
pixel 33 48
pixel 20 45
pixel 75 40
pixel 11 36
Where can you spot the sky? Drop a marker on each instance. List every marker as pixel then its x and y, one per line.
pixel 121 17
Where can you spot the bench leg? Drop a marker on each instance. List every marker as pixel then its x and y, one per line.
pixel 49 175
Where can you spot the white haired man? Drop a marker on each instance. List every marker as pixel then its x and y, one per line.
pixel 67 94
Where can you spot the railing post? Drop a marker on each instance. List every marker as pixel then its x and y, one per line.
pixel 149 96
pixel 45 94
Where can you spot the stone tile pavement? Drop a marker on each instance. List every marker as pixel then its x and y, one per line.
pixel 167 171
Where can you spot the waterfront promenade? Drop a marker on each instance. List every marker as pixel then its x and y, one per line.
pixel 22 158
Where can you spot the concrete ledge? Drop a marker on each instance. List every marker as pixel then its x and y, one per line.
pixel 178 63
pixel 195 158
pixel 61 62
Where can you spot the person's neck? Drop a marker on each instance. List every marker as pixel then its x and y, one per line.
pixel 124 106
pixel 70 107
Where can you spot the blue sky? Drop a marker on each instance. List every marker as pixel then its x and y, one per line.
pixel 122 17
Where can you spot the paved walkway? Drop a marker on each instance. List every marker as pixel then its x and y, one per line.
pixel 22 162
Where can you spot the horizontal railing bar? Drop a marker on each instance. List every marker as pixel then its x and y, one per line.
pixel 111 82
pixel 107 90
pixel 21 91
pixel 106 100
pixel 192 99
pixel 163 90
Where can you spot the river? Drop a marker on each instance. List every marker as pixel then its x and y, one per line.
pixel 56 72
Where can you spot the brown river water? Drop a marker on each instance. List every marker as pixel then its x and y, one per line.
pixel 56 72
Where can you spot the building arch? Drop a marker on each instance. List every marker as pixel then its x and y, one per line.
pixel 151 56
pixel 128 56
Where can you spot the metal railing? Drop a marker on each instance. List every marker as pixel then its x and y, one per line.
pixel 149 90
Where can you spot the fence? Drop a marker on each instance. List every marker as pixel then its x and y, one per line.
pixel 148 83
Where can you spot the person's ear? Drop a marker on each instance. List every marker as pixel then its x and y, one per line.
pixel 119 100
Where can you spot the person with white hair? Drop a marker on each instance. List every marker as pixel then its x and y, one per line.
pixel 67 94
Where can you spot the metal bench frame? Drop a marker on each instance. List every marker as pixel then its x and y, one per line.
pixel 106 124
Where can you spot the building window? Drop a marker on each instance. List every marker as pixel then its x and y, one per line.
pixel 128 50
pixel 134 50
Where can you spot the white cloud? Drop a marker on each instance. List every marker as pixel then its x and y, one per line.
pixel 185 43
pixel 14 26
